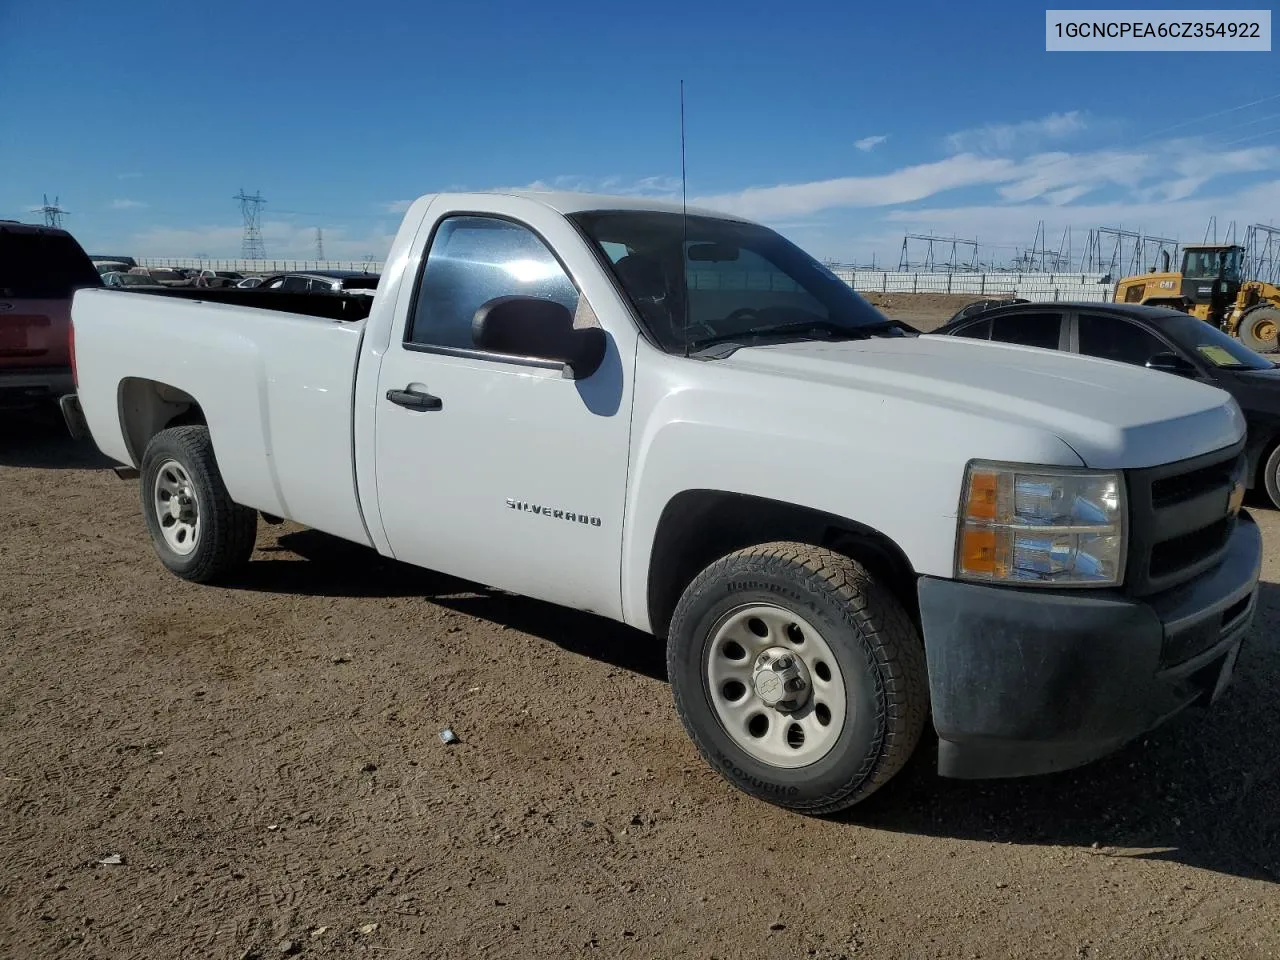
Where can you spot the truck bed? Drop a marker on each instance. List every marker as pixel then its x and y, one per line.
pixel 274 385
pixel 331 306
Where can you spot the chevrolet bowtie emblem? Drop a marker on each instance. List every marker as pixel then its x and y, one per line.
pixel 1235 499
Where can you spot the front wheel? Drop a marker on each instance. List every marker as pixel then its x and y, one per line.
pixel 1258 328
pixel 799 677
pixel 198 531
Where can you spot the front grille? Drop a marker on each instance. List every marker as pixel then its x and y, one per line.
pixel 1170 556
pixel 1167 491
pixel 1178 520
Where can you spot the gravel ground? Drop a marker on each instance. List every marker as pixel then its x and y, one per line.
pixel 265 761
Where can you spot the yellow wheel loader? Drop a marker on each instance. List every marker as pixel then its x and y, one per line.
pixel 1209 287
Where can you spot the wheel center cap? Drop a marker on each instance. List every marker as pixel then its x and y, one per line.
pixel 180 506
pixel 781 679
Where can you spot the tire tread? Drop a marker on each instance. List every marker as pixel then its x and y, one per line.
pixel 229 529
pixel 886 631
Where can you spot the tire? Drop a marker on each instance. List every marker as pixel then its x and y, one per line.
pixel 1258 326
pixel 877 661
pixel 1271 476
pixel 219 533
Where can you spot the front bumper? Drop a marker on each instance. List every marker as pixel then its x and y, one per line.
pixel 1028 681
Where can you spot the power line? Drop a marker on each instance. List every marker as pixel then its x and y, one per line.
pixel 1256 136
pixel 1210 116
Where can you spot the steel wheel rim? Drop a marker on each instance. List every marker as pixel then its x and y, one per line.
pixel 755 630
pixel 177 508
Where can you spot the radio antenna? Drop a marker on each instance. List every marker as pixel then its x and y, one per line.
pixel 684 230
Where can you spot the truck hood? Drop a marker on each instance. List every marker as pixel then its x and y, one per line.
pixel 1113 415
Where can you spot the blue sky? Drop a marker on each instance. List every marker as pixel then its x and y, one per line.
pixel 842 124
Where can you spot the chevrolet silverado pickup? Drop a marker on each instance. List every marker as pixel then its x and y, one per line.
pixel 678 419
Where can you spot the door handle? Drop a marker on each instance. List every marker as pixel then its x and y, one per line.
pixel 415 400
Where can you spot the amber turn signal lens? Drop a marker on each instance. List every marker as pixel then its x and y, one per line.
pixel 978 551
pixel 981 502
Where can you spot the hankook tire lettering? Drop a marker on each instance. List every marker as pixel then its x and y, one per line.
pixel 766 786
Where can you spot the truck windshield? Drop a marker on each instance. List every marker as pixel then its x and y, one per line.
pixel 743 282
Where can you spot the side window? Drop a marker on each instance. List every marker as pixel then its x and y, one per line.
pixel 321 286
pixel 300 284
pixel 472 260
pixel 1028 329
pixel 1113 339
pixel 976 331
pixel 275 284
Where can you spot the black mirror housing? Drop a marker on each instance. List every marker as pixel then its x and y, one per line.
pixel 539 329
pixel 1171 363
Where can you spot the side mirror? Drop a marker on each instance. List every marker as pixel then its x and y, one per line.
pixel 1171 363
pixel 542 329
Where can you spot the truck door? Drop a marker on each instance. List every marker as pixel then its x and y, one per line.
pixel 498 468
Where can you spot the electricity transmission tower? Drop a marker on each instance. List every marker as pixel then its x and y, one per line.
pixel 319 244
pixel 251 245
pixel 53 212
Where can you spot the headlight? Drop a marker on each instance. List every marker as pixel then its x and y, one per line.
pixel 1041 526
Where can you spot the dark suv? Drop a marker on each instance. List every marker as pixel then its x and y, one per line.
pixel 40 269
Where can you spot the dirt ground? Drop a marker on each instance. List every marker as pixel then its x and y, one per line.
pixel 924 311
pixel 265 760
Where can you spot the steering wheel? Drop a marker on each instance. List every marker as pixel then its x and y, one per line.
pixel 742 313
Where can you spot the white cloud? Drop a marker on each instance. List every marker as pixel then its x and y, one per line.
pixel 901 186
pixel 993 137
pixel 657 186
pixel 1014 223
pixel 1172 171
pixel 396 206
pixel 870 143
pixel 127 204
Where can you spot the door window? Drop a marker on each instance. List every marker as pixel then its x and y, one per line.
pixel 1113 339
pixel 976 331
pixel 472 260
pixel 1028 329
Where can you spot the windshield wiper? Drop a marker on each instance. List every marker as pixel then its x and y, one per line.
pixel 782 329
pixel 832 329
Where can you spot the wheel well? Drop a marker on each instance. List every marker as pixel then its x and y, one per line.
pixel 149 406
pixel 699 527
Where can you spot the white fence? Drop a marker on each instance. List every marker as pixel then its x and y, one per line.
pixel 262 266
pixel 1030 286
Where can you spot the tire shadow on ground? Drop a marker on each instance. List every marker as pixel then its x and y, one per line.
pixel 1199 790
pixel 37 438
pixel 334 567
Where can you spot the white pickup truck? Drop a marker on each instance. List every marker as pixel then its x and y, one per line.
pixel 681 421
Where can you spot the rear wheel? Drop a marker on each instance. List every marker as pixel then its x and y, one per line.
pixel 799 677
pixel 198 531
pixel 1259 326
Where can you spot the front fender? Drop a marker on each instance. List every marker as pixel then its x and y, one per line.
pixel 889 464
